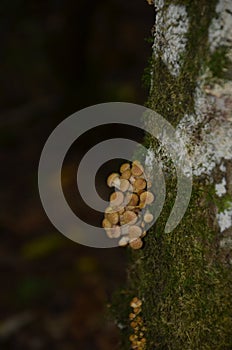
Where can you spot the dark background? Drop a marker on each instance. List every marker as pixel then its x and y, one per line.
pixel 57 57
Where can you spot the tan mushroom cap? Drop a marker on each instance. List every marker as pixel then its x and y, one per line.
pixel 124 167
pixel 111 179
pixel 134 232
pixel 136 243
pixel 114 232
pixel 132 199
pixel 135 302
pixel 147 197
pixel 139 184
pixel 123 241
pixel 126 174
pixel 113 218
pixel 129 217
pixel 106 223
pixel 148 217
pixel 124 185
pixel 137 169
pixel 116 198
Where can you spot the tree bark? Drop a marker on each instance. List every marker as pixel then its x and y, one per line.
pixel 183 278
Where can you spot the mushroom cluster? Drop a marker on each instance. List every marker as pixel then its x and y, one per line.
pixel 137 339
pixel 128 214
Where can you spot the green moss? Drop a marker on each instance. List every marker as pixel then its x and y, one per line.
pixel 185 288
pixel 218 60
pixel 172 97
pixel 184 284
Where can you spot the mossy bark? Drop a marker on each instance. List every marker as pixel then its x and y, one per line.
pixel 184 277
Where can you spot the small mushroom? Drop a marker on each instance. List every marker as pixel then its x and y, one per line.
pixel 126 174
pixel 139 184
pixel 132 179
pixel 123 241
pixel 116 198
pixel 148 217
pixel 129 217
pixel 137 168
pixel 113 217
pixel 106 224
pixel 124 185
pixel 136 243
pixel 149 184
pixel 132 199
pixel 147 197
pixel 114 232
pixel 124 167
pixel 134 232
pixel 112 179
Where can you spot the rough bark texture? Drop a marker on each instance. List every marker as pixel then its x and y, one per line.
pixel 184 277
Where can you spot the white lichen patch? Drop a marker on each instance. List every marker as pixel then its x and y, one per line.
pixel 222 168
pixel 220 30
pixel 172 24
pixel 221 188
pixel 208 132
pixel 225 219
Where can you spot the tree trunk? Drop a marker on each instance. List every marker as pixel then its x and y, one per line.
pixel 183 278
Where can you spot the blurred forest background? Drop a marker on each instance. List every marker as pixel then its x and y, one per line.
pixel 57 57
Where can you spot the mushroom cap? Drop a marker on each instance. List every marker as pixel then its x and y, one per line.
pixel 106 223
pixel 123 241
pixel 147 197
pixel 126 174
pixel 111 179
pixel 132 199
pixel 116 198
pixel 148 217
pixel 124 185
pixel 137 169
pixel 139 184
pixel 113 218
pixel 134 232
pixel 136 243
pixel 114 232
pixel 124 167
pixel 135 302
pixel 129 217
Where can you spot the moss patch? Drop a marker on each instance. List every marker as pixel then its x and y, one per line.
pixel 185 287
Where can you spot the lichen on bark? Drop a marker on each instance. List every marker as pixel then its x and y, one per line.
pixel 184 277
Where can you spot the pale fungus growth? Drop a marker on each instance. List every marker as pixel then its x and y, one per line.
pixel 148 217
pixel 124 185
pixel 136 302
pixel 116 198
pixel 147 197
pixel 112 179
pixel 137 169
pixel 129 217
pixel 134 232
pixel 126 174
pixel 123 241
pixel 132 199
pixel 116 231
pixel 124 218
pixel 139 184
pixel 124 167
pixel 137 339
pixel 113 218
pixel 136 243
pixel 106 223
